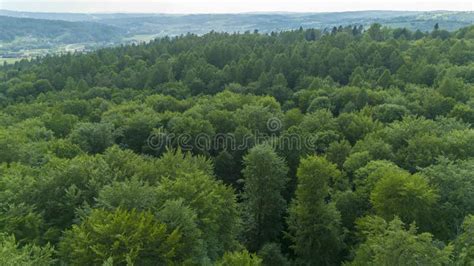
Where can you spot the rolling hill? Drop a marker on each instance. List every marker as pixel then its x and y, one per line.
pixel 26 34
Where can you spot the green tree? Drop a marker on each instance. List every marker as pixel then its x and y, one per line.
pixel 23 221
pixel 64 186
pixel 455 181
pixel 320 103
pixel 9 147
pixel 215 205
pixel 463 112
pixel 397 193
pixel 454 88
pixel 11 253
pixel 125 236
pixel 271 255
pixel 388 113
pixel 22 89
pixel 385 80
pixel 226 167
pixel 338 152
pixel 178 216
pixel 391 244
pixel 263 201
pixel 243 258
pixel 375 32
pixel 315 225
pixel 129 194
pixel 93 137
pixel 459 53
pixel 464 243
pixel 60 124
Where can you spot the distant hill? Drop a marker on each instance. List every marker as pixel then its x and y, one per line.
pixel 27 34
pixel 166 24
pixel 73 17
pixel 267 22
pixel 57 31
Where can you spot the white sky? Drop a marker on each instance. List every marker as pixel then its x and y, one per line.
pixel 230 6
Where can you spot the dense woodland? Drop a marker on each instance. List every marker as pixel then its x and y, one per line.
pixel 385 175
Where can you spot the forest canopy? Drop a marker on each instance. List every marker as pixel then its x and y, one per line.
pixel 352 146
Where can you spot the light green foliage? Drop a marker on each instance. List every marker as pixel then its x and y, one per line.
pixel 175 163
pixel 24 142
pixel 391 244
pixel 243 258
pixel 134 195
pixel 366 177
pixel 397 193
pixel 124 236
pixel 63 148
pixel 29 255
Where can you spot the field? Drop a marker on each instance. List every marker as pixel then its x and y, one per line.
pixel 9 60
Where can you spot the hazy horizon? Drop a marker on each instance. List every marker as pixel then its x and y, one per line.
pixel 229 6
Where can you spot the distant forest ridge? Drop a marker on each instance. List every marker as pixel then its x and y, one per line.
pixel 56 30
pixel 169 24
pixel 29 35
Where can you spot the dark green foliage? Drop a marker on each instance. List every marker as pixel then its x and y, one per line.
pixel 464 243
pixel 93 137
pixel 271 255
pixel 455 183
pixel 315 225
pixel 215 206
pixel 263 203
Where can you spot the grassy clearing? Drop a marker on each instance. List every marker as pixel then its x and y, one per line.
pixel 142 37
pixel 9 60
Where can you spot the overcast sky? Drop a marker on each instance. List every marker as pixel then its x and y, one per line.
pixel 230 6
